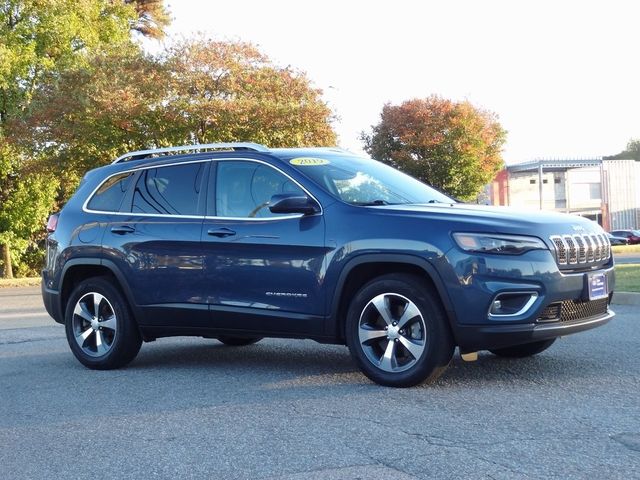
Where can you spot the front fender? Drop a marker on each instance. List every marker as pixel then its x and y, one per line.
pixel 336 323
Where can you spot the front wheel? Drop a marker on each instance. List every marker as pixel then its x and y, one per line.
pixel 100 328
pixel 397 332
pixel 526 350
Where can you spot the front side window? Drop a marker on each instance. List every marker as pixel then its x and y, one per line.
pixel 170 190
pixel 243 189
pixel 111 193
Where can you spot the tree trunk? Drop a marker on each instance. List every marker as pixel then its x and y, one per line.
pixel 6 257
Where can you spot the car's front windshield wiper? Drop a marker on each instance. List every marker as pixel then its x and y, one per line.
pixel 433 200
pixel 373 203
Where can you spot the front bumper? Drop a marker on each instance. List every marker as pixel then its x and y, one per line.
pixel 487 337
pixel 475 282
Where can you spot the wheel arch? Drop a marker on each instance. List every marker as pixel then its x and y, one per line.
pixel 79 269
pixel 364 268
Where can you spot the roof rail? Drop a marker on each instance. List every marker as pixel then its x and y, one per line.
pixel 337 150
pixel 140 154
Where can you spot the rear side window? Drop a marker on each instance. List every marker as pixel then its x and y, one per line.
pixel 109 196
pixel 169 190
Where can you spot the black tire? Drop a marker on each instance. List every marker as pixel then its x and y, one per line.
pixel 108 338
pixel 427 333
pixel 521 351
pixel 233 341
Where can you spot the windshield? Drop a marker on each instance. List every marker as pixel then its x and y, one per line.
pixel 362 181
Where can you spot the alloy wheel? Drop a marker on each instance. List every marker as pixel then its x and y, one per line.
pixel 392 332
pixel 94 324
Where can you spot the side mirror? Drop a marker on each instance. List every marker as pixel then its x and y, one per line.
pixel 293 203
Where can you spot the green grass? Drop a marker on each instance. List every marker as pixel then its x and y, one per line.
pixel 628 278
pixel 626 249
pixel 19 282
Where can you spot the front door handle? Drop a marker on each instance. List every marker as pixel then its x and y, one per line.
pixel 122 229
pixel 220 232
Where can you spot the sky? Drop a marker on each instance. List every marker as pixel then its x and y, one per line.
pixel 561 75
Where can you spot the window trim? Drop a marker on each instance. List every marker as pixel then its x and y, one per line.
pixel 134 178
pixel 136 172
pixel 200 207
pixel 261 219
pixel 212 170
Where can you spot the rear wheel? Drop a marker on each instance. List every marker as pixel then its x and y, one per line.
pixel 100 328
pixel 397 332
pixel 233 341
pixel 526 350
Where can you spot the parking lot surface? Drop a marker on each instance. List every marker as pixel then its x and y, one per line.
pixel 291 409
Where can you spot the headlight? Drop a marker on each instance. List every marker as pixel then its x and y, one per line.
pixel 497 243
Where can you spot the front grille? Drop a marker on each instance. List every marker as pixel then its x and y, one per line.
pixel 572 250
pixel 550 313
pixel 570 310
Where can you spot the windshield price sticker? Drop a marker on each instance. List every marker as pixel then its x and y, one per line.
pixel 308 161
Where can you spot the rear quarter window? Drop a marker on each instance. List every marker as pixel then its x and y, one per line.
pixel 110 194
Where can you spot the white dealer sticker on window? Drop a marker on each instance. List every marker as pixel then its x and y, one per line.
pixel 308 161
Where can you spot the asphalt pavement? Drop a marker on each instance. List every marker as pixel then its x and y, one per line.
pixel 298 410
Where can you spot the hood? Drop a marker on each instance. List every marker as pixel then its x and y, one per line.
pixel 498 219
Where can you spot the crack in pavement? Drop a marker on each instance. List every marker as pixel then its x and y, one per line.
pixel 629 440
pixel 15 342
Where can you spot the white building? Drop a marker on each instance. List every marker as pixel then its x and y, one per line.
pixel 606 191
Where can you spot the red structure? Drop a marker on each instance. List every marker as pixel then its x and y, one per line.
pixel 500 188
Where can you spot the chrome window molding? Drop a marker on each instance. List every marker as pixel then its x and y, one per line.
pixel 86 209
pixel 263 219
pixel 201 217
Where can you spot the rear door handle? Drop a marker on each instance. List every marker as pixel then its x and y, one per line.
pixel 122 229
pixel 220 232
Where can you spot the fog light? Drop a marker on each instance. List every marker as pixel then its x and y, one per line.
pixel 512 304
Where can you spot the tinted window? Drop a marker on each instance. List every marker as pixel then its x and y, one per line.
pixel 169 190
pixel 110 194
pixel 243 189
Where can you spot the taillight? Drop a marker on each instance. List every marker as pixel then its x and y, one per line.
pixel 52 223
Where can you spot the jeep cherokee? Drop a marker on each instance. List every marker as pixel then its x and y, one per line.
pixel 238 241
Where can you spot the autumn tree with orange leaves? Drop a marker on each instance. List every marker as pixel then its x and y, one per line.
pixel 198 91
pixel 453 146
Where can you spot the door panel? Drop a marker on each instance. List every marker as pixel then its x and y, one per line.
pixel 275 265
pixel 155 242
pixel 261 265
pixel 163 263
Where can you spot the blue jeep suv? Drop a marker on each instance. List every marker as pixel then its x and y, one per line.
pixel 238 242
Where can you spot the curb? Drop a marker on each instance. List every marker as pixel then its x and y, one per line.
pixel 626 298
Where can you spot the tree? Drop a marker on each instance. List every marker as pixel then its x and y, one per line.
pixel 39 40
pixel 197 92
pixel 22 215
pixel 631 152
pixel 94 113
pixel 152 17
pixel 229 91
pixel 452 146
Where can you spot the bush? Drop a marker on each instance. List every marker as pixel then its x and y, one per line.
pixel 31 261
